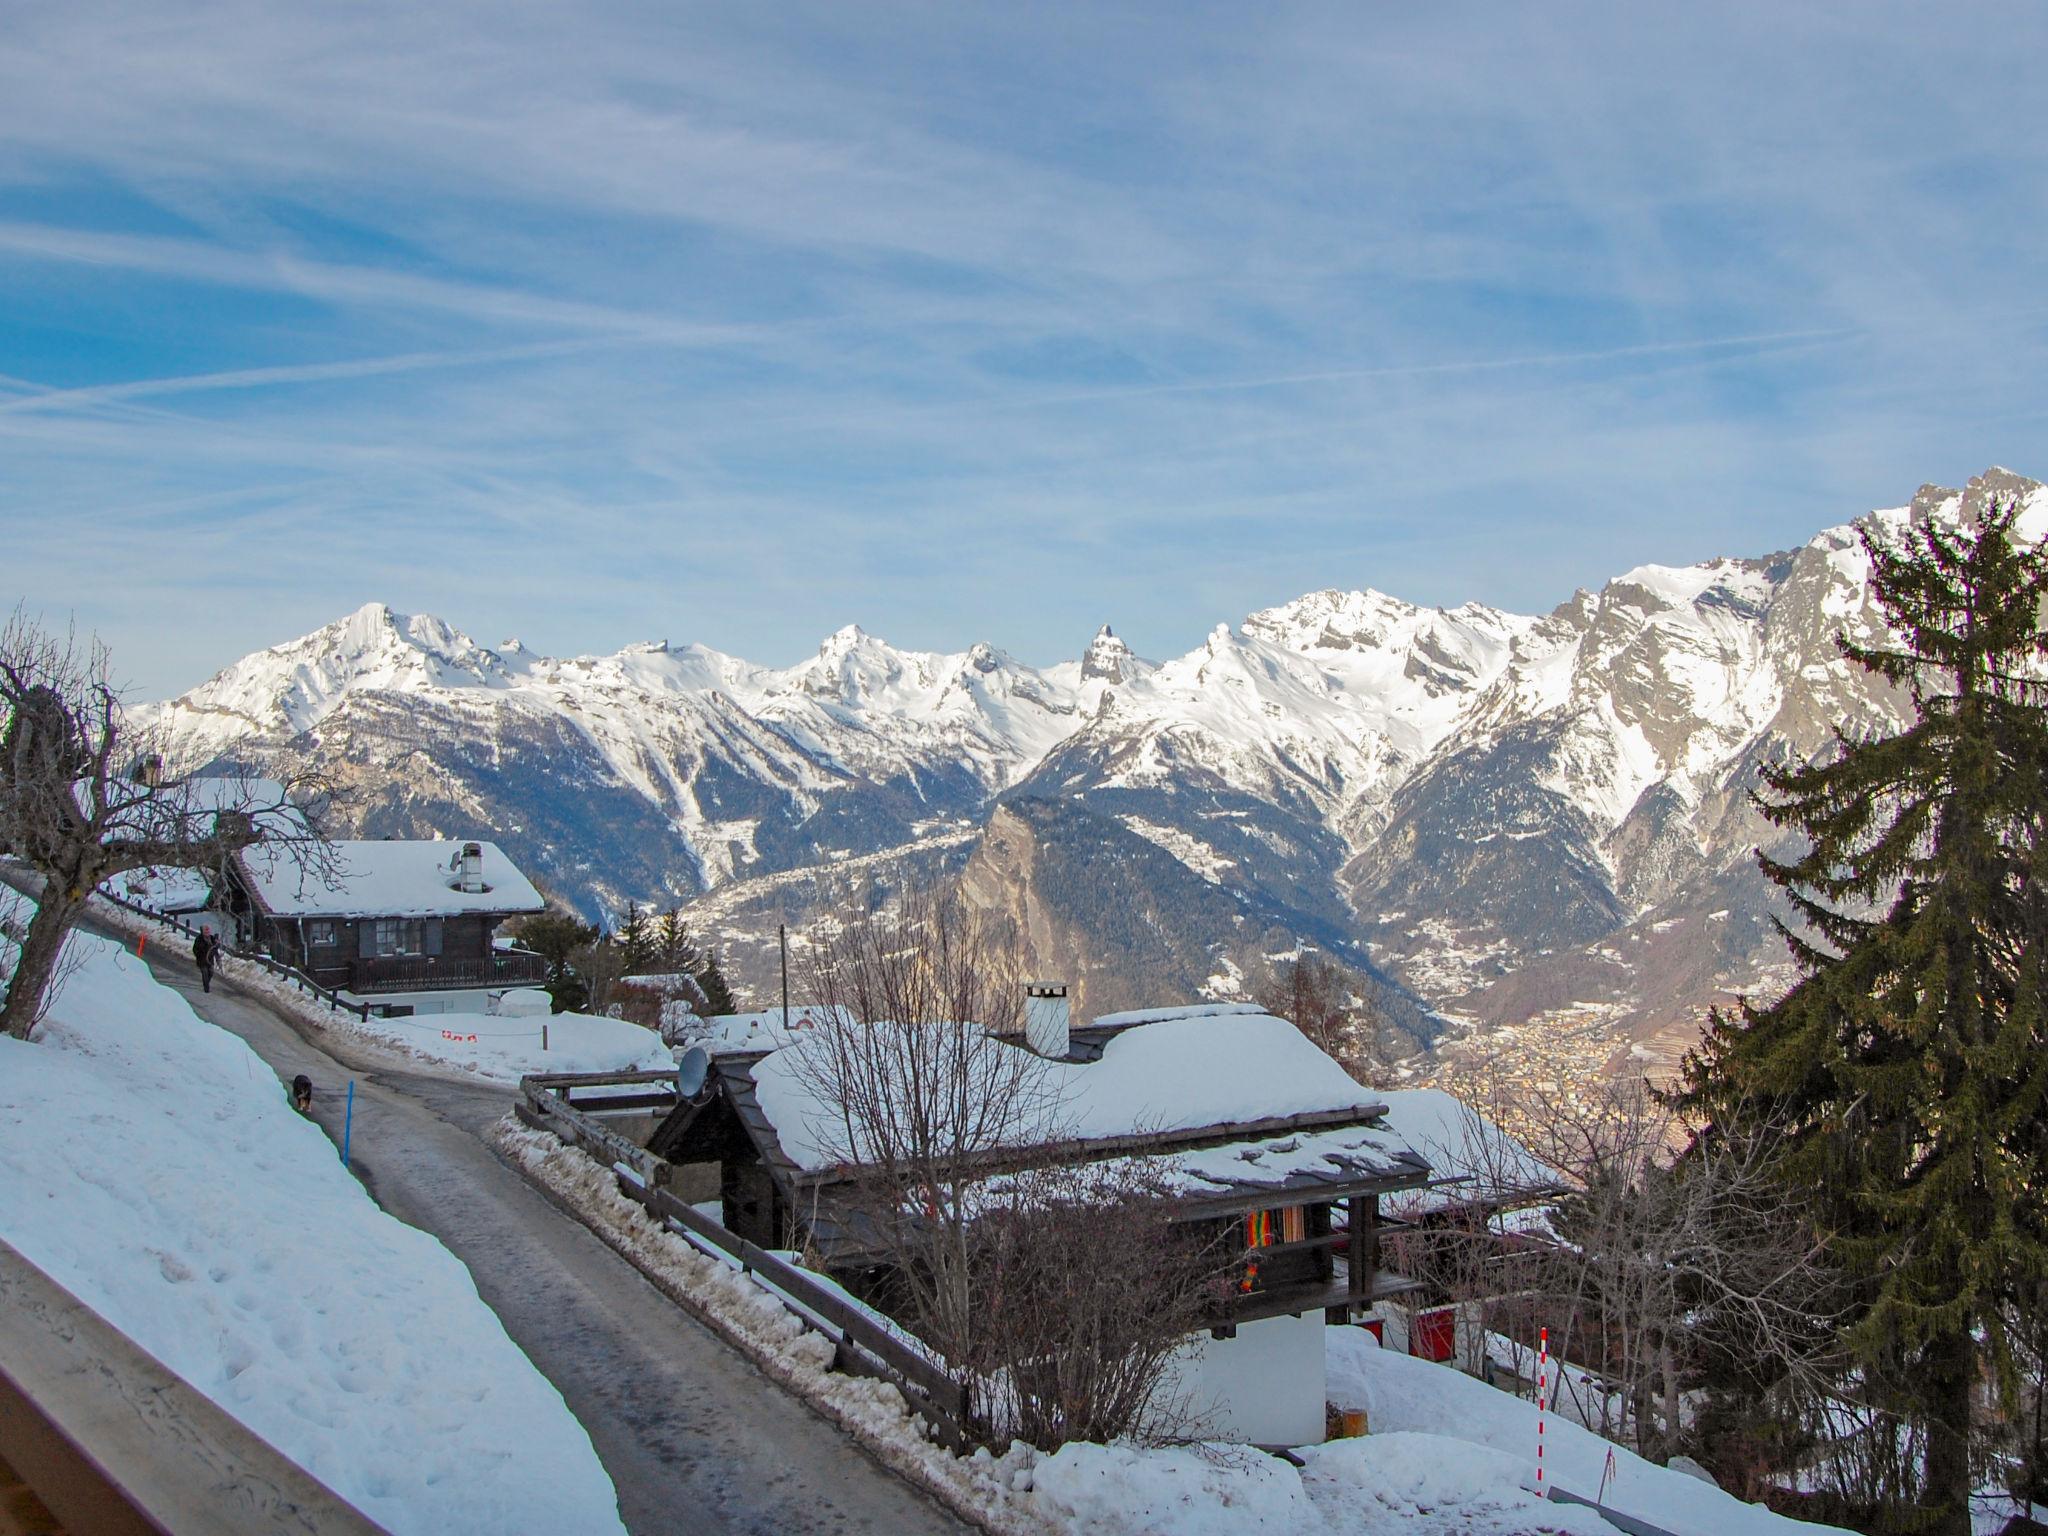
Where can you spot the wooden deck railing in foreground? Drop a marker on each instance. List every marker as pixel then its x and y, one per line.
pixel 117 1444
pixel 863 1346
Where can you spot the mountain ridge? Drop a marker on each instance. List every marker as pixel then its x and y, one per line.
pixel 1487 802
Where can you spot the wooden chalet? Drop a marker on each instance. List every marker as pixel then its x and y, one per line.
pixel 395 917
pixel 1299 1187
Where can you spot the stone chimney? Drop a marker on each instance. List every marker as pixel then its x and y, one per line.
pixel 1045 1019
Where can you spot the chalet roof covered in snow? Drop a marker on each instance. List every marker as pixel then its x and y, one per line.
pixel 1236 1102
pixel 396 878
pixel 1462 1143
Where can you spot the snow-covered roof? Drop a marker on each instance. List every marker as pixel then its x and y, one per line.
pixel 1175 1078
pixel 1462 1143
pixel 736 1033
pixel 396 878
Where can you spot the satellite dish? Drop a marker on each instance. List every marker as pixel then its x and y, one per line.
pixel 692 1070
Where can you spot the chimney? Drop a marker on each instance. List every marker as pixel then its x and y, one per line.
pixel 1045 1019
pixel 472 865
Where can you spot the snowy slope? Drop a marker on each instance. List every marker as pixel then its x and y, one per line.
pixel 1405 1397
pixel 150 1164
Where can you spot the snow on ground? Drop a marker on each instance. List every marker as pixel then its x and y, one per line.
pixel 1403 1394
pixel 150 1164
pixel 1200 1490
pixel 495 1049
pixel 1406 1484
pixel 505 1050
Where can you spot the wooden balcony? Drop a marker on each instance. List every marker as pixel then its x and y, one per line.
pixel 432 973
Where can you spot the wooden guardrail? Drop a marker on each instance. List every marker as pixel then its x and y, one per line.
pixel 864 1346
pixel 277 968
pixel 115 1443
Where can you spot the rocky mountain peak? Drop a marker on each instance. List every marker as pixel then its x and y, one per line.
pixel 1106 658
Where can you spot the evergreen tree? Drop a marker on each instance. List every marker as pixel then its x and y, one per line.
pixel 554 935
pixel 672 939
pixel 1911 1059
pixel 636 940
pixel 718 998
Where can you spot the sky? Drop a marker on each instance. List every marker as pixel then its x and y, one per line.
pixel 593 324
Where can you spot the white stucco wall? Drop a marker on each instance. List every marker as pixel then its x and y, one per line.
pixel 1263 1387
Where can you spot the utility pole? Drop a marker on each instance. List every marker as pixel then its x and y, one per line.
pixel 782 941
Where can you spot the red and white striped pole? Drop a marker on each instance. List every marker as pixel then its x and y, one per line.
pixel 1542 1396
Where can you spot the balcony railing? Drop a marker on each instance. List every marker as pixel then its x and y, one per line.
pixel 429 973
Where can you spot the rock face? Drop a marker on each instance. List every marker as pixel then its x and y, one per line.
pixel 1518 820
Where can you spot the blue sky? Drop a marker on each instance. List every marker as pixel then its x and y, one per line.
pixel 736 323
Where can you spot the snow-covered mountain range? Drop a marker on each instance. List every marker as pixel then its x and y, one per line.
pixel 1521 819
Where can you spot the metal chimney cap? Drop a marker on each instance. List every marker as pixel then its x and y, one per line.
pixel 1045 989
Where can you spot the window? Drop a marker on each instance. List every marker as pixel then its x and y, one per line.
pixel 322 935
pixel 396 936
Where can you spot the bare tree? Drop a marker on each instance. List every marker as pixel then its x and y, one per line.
pixel 1094 1294
pixel 16 912
pixel 83 797
pixel 1331 1006
pixel 1676 1269
pixel 1060 1289
pixel 919 1089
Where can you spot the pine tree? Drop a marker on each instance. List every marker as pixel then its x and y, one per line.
pixel 1911 1059
pixel 636 940
pixel 672 940
pixel 718 998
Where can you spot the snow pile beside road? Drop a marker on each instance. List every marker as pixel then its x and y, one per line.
pixel 1426 1485
pixel 1400 1393
pixel 1197 1490
pixel 502 1050
pixel 1382 1485
pixel 150 1164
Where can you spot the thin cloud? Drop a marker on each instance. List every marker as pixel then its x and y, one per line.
pixel 265 378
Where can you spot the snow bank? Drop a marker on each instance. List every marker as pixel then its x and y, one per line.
pixel 1202 1490
pixel 150 1164
pixel 1408 1484
pixel 1400 1393
pixel 498 1050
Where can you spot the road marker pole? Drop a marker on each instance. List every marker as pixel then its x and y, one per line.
pixel 1542 1393
pixel 348 1121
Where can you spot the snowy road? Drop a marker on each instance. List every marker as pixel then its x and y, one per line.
pixel 695 1439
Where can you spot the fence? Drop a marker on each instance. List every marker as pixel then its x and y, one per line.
pixel 276 968
pixel 116 1443
pixel 864 1346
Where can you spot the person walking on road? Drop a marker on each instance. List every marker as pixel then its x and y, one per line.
pixel 205 949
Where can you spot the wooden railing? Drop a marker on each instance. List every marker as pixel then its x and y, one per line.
pixel 254 957
pixel 426 973
pixel 864 1346
pixel 115 1443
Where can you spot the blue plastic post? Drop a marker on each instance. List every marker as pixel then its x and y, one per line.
pixel 348 1121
